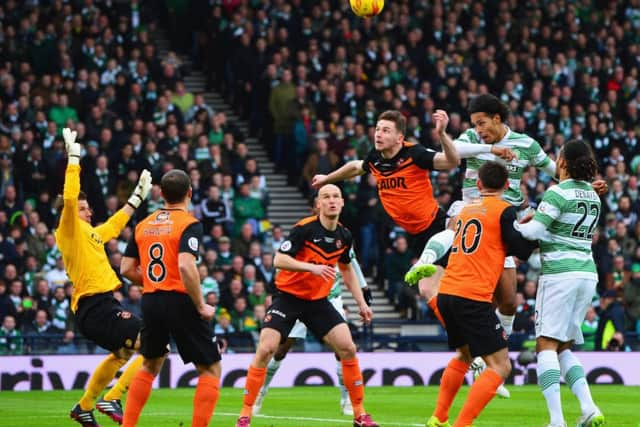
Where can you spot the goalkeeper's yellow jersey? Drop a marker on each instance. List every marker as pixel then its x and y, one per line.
pixel 82 245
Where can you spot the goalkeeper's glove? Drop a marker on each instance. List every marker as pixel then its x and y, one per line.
pixel 72 147
pixel 368 296
pixel 141 191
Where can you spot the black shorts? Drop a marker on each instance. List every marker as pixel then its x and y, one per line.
pixel 418 241
pixel 320 316
pixel 104 321
pixel 172 314
pixel 472 322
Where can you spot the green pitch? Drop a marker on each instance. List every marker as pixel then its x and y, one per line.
pixel 318 406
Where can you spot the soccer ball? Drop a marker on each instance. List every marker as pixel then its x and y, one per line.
pixel 366 8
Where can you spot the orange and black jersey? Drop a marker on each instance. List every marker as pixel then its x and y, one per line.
pixel 404 185
pixel 157 242
pixel 485 235
pixel 309 241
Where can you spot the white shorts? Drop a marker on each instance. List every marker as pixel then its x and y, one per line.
pixel 454 210
pixel 561 305
pixel 299 329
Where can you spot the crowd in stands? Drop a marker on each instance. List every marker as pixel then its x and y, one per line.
pixel 93 67
pixel 311 79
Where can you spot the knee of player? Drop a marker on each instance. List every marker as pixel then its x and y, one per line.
pixel 266 350
pixel 153 366
pixel 124 354
pixel 214 369
pixel 504 368
pixel 346 351
pixel 280 355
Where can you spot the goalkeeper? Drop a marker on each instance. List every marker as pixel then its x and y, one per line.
pixel 99 315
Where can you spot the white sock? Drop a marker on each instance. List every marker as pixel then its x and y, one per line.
pixel 506 321
pixel 549 381
pixel 272 368
pixel 436 247
pixel 573 373
pixel 344 394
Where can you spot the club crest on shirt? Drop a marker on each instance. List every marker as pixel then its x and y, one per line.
pixel 193 243
pixel 161 218
pixel 338 243
pixel 285 246
pixel 124 315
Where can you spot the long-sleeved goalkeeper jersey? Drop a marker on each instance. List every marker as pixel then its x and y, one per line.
pixel 82 245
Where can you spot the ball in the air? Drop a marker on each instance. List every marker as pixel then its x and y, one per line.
pixel 366 8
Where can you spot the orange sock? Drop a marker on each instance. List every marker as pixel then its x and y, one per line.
pixel 433 305
pixel 255 379
pixel 139 392
pixel 481 393
pixel 352 378
pixel 205 399
pixel 451 381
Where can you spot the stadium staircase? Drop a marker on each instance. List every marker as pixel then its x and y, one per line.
pixel 287 204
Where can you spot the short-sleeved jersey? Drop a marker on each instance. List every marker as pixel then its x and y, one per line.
pixel 570 212
pixel 484 237
pixel 404 185
pixel 309 241
pixel 157 242
pixel 529 154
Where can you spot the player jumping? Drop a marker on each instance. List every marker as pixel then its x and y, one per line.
pixel 100 316
pixel 484 235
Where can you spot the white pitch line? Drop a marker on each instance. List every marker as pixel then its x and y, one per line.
pixel 313 419
pixel 234 414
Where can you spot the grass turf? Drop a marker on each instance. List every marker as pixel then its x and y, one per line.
pixel 318 406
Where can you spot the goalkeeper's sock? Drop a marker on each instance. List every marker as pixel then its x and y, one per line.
pixel 573 373
pixel 480 394
pixel 436 247
pixel 433 305
pixel 122 385
pixel 205 399
pixel 139 393
pixel 344 394
pixel 255 379
pixel 355 385
pixel 450 383
pixel 506 320
pixel 102 376
pixel 549 379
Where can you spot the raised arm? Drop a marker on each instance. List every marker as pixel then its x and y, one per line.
pixel 114 225
pixel 346 171
pixel 449 157
pixel 69 216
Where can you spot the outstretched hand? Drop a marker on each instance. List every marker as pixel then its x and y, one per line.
pixel 70 144
pixel 441 120
pixel 141 191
